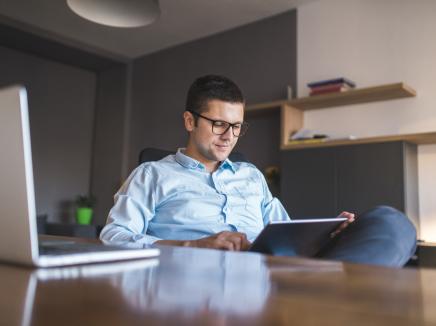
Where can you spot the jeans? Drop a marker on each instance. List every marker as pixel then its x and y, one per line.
pixel 380 236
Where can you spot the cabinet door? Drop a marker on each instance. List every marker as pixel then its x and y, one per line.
pixel 308 182
pixel 370 175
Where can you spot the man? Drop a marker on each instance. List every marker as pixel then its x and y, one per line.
pixel 199 198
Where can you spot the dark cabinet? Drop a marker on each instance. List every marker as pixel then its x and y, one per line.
pixel 322 182
pixel 308 182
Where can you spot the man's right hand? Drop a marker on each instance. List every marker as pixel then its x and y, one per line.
pixel 233 241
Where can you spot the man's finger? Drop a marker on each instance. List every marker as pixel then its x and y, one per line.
pixel 225 245
pixel 236 240
pixel 349 216
pixel 245 245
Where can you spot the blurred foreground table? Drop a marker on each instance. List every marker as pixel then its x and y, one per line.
pixel 186 286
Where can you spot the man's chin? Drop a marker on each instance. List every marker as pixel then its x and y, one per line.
pixel 221 155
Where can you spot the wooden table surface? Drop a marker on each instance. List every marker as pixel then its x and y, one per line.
pixel 187 286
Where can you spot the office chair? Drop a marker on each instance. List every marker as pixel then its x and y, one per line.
pixel 155 154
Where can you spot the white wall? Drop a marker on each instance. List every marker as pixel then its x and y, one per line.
pixel 375 42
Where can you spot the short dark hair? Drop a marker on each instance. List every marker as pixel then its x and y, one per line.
pixel 212 87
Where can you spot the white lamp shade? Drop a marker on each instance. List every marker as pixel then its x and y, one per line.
pixel 117 13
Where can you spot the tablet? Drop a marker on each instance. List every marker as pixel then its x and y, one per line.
pixel 305 237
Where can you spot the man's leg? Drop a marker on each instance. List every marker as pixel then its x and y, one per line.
pixel 380 236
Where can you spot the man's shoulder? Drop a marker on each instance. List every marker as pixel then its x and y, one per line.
pixel 162 164
pixel 245 167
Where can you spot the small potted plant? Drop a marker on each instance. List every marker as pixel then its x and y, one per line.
pixel 84 209
pixel 272 176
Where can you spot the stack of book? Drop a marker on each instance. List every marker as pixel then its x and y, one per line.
pixel 330 86
pixel 306 136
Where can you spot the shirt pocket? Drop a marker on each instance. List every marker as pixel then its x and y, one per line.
pixel 247 199
pixel 191 205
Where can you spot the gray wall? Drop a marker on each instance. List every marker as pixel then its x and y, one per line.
pixel 76 152
pixel 260 57
pixel 108 141
pixel 61 109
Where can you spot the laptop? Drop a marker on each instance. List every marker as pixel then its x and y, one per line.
pixel 18 233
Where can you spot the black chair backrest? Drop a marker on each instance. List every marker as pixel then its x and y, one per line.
pixel 155 154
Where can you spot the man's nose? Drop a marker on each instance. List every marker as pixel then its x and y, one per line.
pixel 228 134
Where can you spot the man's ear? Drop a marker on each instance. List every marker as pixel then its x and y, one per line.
pixel 189 121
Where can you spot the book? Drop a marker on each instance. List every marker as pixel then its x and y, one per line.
pixel 332 81
pixel 326 139
pixel 306 141
pixel 306 134
pixel 330 90
pixel 341 138
pixel 330 86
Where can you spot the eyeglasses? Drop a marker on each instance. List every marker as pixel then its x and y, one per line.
pixel 220 127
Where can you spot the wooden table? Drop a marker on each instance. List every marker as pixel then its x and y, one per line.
pixel 187 286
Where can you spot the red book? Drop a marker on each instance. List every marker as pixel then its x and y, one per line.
pixel 336 89
pixel 329 87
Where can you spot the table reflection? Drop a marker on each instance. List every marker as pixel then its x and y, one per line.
pixel 188 286
pixel 191 281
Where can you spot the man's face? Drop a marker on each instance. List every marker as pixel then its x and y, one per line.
pixel 206 146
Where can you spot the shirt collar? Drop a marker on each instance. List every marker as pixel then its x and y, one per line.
pixel 190 163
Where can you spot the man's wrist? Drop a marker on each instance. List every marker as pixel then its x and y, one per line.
pixel 188 243
pixel 180 243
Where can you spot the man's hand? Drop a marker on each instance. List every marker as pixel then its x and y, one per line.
pixel 233 241
pixel 350 219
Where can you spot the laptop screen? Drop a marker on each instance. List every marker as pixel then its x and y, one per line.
pixel 17 198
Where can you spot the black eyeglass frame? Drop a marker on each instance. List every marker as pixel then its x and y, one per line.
pixel 244 125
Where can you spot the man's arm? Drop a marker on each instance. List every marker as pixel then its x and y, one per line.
pixel 272 208
pixel 233 241
pixel 133 209
pixel 135 206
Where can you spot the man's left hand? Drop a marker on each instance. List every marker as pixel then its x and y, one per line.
pixel 350 219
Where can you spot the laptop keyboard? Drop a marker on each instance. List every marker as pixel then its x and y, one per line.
pixel 54 249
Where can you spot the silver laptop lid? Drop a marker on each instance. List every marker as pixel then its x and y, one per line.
pixel 18 234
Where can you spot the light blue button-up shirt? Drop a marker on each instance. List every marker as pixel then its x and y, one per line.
pixel 176 198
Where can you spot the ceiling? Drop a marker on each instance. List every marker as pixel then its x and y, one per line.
pixel 180 21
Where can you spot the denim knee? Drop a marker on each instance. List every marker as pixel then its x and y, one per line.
pixel 396 227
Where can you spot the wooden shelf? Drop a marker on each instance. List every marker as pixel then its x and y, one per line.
pixel 418 138
pixel 291 112
pixel 355 96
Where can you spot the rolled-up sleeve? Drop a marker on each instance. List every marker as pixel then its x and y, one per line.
pixel 272 208
pixel 133 209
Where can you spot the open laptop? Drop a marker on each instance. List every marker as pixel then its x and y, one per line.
pixel 18 233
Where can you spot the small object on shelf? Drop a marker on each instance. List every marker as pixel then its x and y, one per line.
pixel 340 138
pixel 340 80
pixel 307 141
pixel 317 138
pixel 330 86
pixel 289 93
pixel 303 134
pixel 334 89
